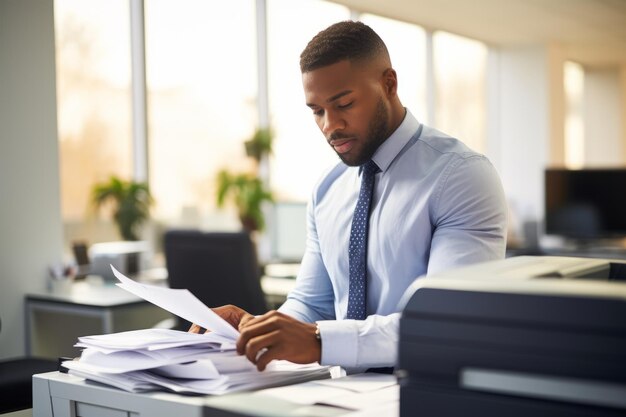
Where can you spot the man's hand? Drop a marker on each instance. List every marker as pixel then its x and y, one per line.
pixel 234 315
pixel 277 336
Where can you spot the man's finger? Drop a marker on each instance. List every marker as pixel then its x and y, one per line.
pixel 255 345
pixel 253 330
pixel 244 321
pixel 252 320
pixel 194 328
pixel 276 352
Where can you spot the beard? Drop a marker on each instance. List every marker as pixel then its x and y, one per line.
pixel 377 133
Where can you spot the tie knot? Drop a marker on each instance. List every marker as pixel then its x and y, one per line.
pixel 370 168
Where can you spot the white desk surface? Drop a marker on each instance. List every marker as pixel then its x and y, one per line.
pixel 101 294
pixel 54 319
pixel 87 293
pixel 60 395
pixel 277 286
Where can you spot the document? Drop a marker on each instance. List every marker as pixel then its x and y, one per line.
pixel 153 339
pixel 354 392
pixel 203 376
pixel 308 393
pixel 366 400
pixel 365 382
pixel 391 408
pixel 163 359
pixel 179 302
pixel 134 360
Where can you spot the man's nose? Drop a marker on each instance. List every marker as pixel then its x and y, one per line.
pixel 331 123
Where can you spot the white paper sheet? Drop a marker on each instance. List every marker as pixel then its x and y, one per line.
pixel 151 339
pixel 127 382
pixel 308 393
pixel 365 400
pixel 179 302
pixel 361 382
pixel 129 360
pixel 346 392
pixel 139 381
pixel 390 409
pixel 201 369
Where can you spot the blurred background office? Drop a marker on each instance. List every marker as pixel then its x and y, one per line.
pixel 168 92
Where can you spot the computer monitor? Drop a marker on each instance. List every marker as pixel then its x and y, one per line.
pixel 288 232
pixel 586 204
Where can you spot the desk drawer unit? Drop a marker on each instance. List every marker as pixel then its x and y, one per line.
pixel 53 396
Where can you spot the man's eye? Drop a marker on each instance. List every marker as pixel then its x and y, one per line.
pixel 345 106
pixel 318 112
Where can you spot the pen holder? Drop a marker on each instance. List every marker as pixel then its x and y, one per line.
pixel 61 286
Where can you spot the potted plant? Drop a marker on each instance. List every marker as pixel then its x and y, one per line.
pixel 248 193
pixel 259 144
pixel 131 204
pixel 246 190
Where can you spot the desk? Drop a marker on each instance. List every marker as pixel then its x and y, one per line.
pixel 61 395
pixel 276 289
pixel 590 252
pixel 55 320
pixel 279 279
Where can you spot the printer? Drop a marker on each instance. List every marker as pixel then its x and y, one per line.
pixel 128 257
pixel 526 336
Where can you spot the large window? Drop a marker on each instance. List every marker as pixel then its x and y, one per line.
pixel 202 83
pixel 202 86
pixel 574 82
pixel 93 102
pixel 407 47
pixel 460 77
pixel 300 151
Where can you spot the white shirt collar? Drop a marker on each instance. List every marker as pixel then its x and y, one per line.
pixel 390 148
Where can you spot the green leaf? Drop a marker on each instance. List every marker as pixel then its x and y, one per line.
pixel 131 204
pixel 247 192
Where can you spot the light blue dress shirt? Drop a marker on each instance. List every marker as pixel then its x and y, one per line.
pixel 436 205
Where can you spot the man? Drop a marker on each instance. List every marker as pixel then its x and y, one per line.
pixel 406 200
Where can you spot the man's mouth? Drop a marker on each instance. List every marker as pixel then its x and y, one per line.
pixel 342 145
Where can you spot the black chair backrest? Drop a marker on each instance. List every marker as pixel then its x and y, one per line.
pixel 218 268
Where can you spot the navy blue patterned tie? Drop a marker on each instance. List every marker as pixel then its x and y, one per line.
pixel 358 244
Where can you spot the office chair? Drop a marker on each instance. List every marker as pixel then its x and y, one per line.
pixel 218 268
pixel 16 386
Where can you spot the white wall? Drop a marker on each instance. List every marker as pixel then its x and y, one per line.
pixel 519 125
pixel 604 144
pixel 30 217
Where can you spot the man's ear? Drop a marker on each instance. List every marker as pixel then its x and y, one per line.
pixel 390 82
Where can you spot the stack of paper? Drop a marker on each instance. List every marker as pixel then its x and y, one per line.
pixel 151 359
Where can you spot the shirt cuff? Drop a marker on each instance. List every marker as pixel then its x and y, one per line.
pixel 339 342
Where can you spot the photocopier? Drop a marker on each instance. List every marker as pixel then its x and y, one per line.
pixel 525 336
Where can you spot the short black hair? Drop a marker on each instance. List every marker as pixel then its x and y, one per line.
pixel 347 40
